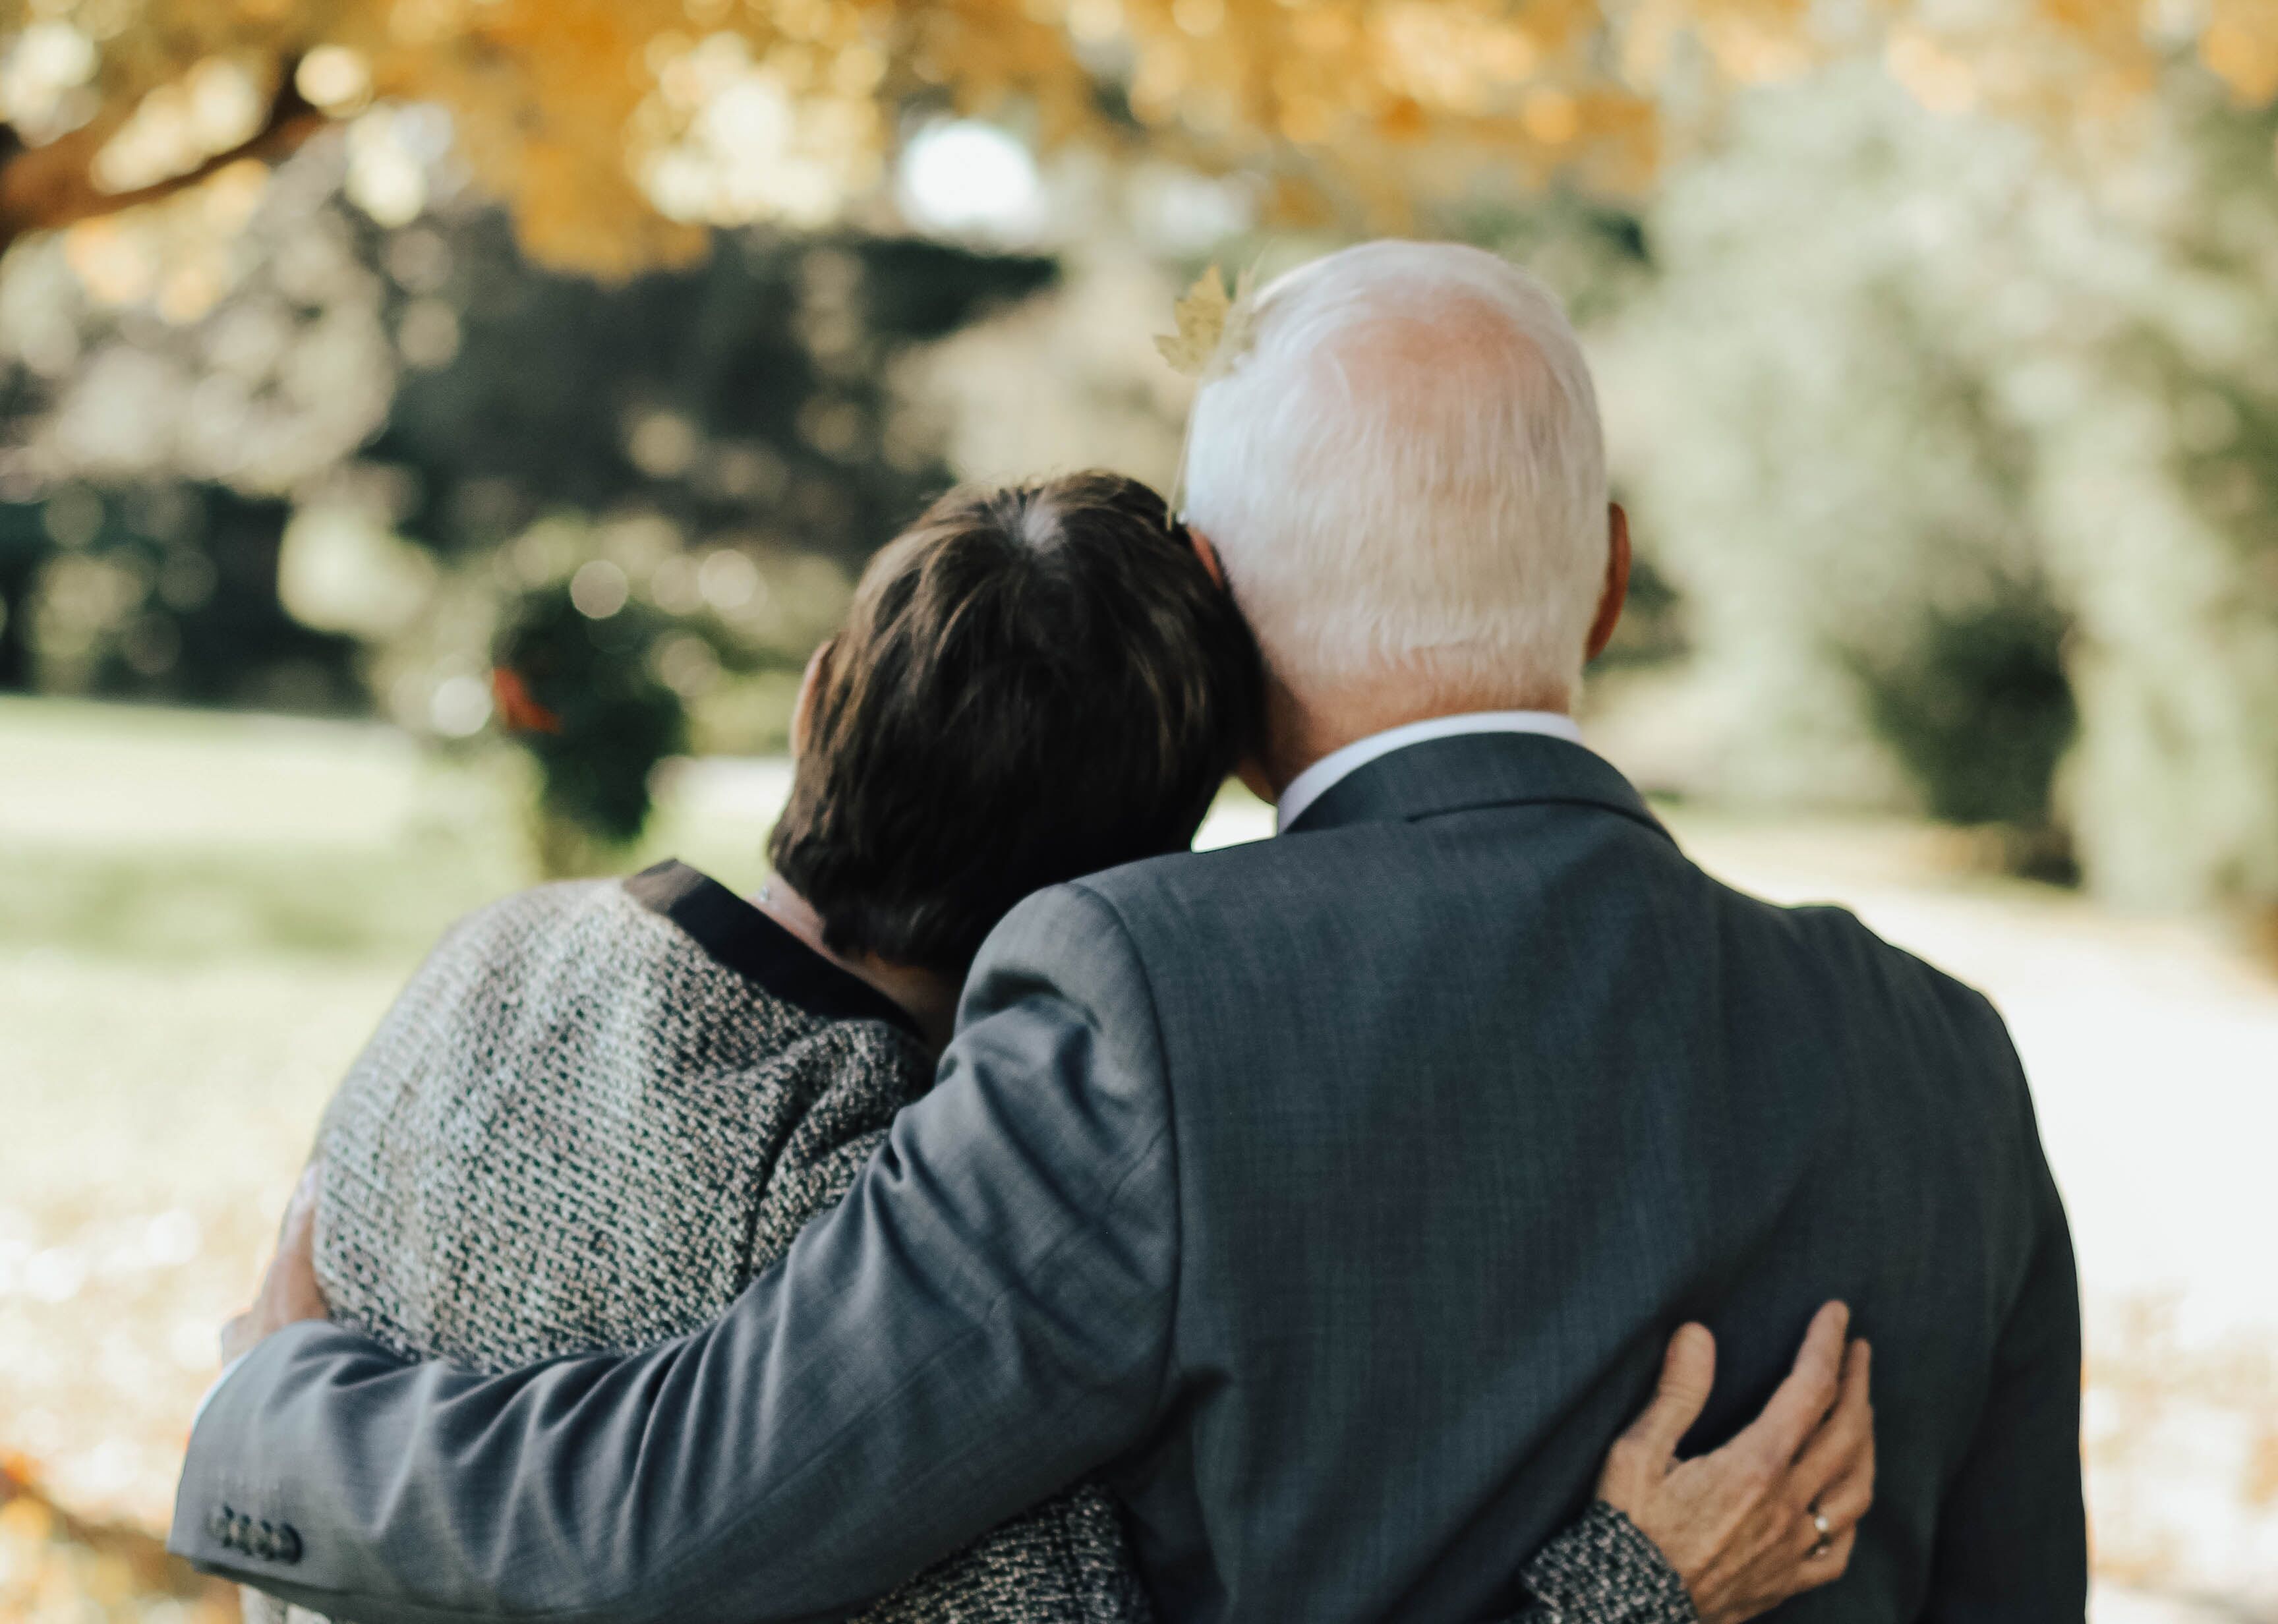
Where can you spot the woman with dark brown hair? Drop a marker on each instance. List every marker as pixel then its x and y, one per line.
pixel 601 1107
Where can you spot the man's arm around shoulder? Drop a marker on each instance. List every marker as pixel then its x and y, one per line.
pixel 981 1321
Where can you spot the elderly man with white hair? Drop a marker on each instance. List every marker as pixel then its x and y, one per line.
pixel 1330 1199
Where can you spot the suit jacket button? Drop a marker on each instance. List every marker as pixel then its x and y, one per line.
pixel 264 1540
pixel 288 1544
pixel 218 1527
pixel 241 1533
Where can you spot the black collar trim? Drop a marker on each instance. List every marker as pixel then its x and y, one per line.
pixel 747 942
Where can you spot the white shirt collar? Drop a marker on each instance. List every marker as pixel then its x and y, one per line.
pixel 1316 780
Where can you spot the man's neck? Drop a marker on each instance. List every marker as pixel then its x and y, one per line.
pixel 1301 729
pixel 927 996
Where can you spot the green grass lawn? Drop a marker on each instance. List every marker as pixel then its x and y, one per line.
pixel 169 837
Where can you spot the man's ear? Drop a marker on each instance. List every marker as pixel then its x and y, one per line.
pixel 1618 581
pixel 1206 550
pixel 802 710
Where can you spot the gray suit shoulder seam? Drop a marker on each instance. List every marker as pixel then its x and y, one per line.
pixel 1644 819
pixel 1170 1132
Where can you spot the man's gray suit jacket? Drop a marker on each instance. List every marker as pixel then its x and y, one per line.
pixel 1334 1196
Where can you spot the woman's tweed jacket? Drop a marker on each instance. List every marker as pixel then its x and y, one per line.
pixel 601 1108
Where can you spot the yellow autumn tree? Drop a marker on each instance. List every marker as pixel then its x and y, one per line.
pixel 616 130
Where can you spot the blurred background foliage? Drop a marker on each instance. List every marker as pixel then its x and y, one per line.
pixel 347 340
pixel 1961 459
pixel 459 360
pixel 382 451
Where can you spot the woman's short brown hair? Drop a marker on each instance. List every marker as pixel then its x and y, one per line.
pixel 1033 682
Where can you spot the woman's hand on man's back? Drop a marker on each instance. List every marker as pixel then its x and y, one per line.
pixel 1775 1512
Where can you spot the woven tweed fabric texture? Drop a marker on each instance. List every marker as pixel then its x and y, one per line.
pixel 576 1130
pixel 1601 1570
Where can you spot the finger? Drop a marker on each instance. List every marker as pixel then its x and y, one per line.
pixel 296 1234
pixel 1688 1373
pixel 1780 1574
pixel 1814 1565
pixel 1846 1433
pixel 1851 1495
pixel 1805 1396
pixel 303 1203
pixel 294 1273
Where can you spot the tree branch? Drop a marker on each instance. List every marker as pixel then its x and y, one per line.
pixel 45 187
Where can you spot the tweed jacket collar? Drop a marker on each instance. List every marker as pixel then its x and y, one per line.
pixel 1473 771
pixel 746 941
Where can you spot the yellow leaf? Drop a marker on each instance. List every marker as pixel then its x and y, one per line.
pixel 1201 316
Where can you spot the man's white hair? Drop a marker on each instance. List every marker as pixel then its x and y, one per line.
pixel 1405 476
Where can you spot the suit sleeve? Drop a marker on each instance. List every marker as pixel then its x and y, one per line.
pixel 981 1321
pixel 2012 1534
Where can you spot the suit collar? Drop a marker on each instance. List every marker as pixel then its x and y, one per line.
pixel 1471 772
pixel 1317 780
